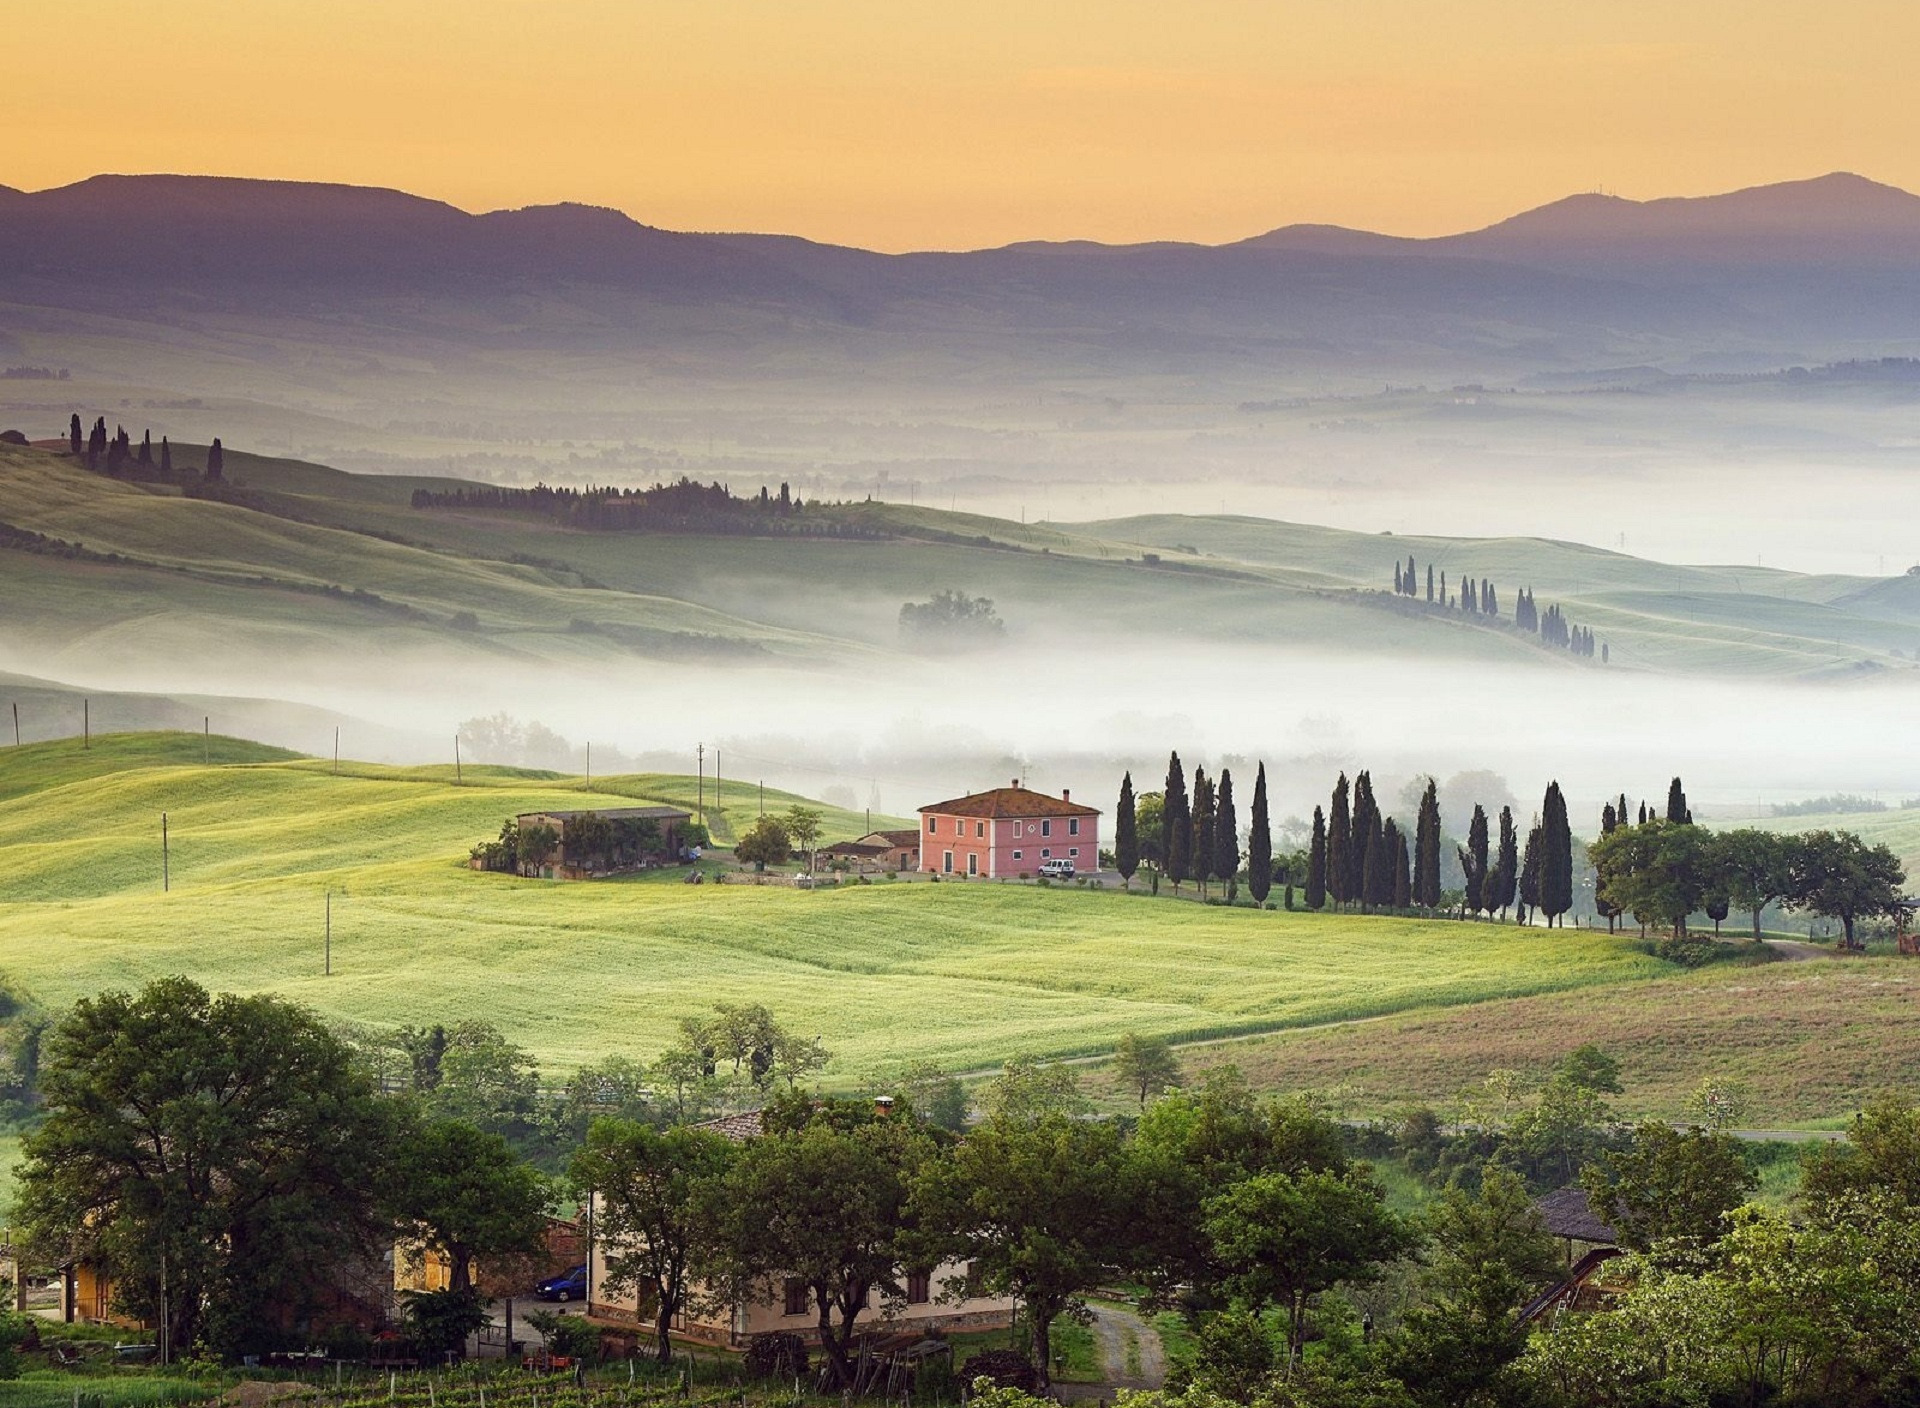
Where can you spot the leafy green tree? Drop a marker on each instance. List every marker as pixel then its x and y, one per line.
pixel 1489 1252
pixel 765 843
pixel 1426 850
pixel 1880 1158
pixel 616 1087
pixel 1146 1065
pixel 227 1147
pixel 1670 1188
pixel 1657 871
pixel 466 1194
pixel 1040 1207
pixel 1590 1068
pixel 1126 838
pixel 1836 874
pixel 1259 841
pixel 1340 843
pixel 1317 863
pixel 1285 1239
pixel 486 1080
pixel 937 1096
pixel 1758 869
pixel 952 620
pixel 803 829
pixel 1562 1129
pixel 1149 817
pixel 1717 1104
pixel 441 1322
pixel 824 1204
pixel 1176 822
pixel 658 1208
pixel 1027 1090
pixel 1226 836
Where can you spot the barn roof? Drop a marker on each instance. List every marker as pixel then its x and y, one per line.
pixel 1003 803
pixel 738 1129
pixel 1567 1213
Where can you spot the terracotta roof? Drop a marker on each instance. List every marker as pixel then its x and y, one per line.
pixel 737 1128
pixel 1567 1213
pixel 909 837
pixel 1006 802
pixel 853 848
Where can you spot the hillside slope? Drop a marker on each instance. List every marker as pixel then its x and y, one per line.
pixel 312 562
pixel 967 974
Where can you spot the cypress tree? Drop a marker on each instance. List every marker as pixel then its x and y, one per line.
pixel 1506 869
pixel 1473 859
pixel 1175 840
pixel 146 447
pixel 1643 814
pixel 1426 850
pixel 1443 587
pixel 1610 822
pixel 1339 842
pixel 1399 584
pixel 97 443
pixel 1259 841
pixel 1429 582
pixel 1677 811
pixel 1530 872
pixel 1126 838
pixel 1226 835
pixel 1402 877
pixel 1556 857
pixel 1413 576
pixel 1200 846
pixel 166 456
pixel 1317 863
pixel 1365 831
pixel 115 455
pixel 216 460
pixel 76 440
pixel 1383 854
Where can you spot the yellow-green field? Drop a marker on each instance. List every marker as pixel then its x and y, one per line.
pixel 963 974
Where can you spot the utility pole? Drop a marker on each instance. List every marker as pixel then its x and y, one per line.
pixel 456 760
pixel 336 750
pixel 206 739
pixel 717 806
pixel 86 724
pixel 700 783
pixel 166 859
pixel 16 723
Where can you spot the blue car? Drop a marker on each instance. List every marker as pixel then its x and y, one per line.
pixel 569 1285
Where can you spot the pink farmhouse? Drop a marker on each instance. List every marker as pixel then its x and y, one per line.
pixel 1008 832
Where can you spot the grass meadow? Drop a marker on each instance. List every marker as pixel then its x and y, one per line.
pixel 964 974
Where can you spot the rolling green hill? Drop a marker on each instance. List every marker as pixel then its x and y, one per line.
pixel 315 559
pixel 966 974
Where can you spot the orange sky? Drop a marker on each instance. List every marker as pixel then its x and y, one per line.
pixel 951 123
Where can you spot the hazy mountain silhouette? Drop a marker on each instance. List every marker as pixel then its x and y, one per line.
pixel 1825 266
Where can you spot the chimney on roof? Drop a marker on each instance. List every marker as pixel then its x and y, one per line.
pixel 883 1105
pixel 1066 794
pixel 1014 783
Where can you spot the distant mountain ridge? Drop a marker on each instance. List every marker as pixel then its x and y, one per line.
pixel 1827 269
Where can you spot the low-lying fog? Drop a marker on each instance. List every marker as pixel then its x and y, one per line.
pixel 901 732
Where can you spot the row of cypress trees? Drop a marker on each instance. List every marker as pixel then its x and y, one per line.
pixel 1359 860
pixel 114 452
pixel 1199 836
pixel 1482 598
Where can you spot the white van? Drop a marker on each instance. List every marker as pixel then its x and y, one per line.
pixel 1058 868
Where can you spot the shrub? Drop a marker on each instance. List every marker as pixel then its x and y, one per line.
pixel 1689 952
pixel 1003 1368
pixel 779 1354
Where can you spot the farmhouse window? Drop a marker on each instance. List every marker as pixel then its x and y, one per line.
pixel 946 861
pixel 1016 855
pixel 1073 850
pixel 1046 828
pixel 979 828
pixel 795 1293
pixel 919 1287
pixel 1073 826
pixel 1045 851
pixel 973 862
pixel 933 824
